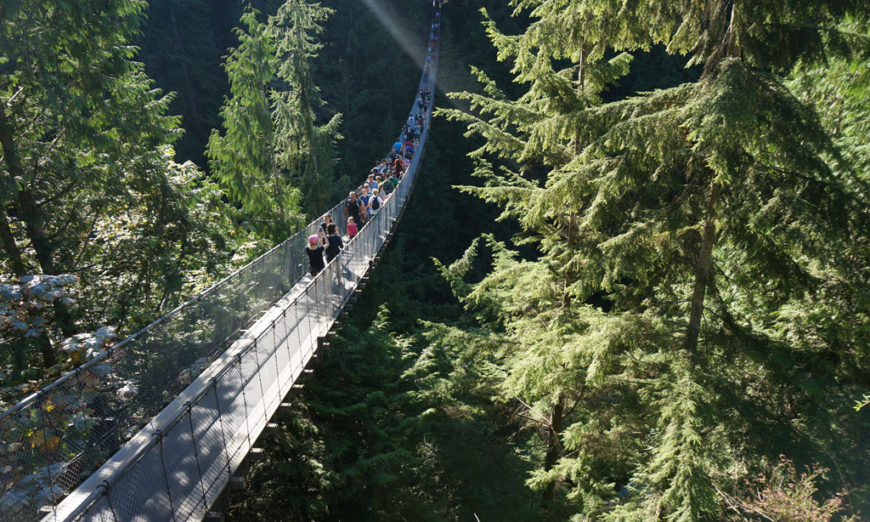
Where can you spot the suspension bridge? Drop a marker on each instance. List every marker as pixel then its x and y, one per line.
pixel 156 427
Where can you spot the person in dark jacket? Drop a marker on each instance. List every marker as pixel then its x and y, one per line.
pixel 333 243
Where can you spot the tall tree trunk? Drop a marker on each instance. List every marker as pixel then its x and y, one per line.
pixel 34 223
pixel 570 277
pixel 46 350
pixel 319 196
pixel 30 214
pixel 34 231
pixel 554 445
pixel 11 247
pixel 703 266
pixel 279 194
pixel 32 217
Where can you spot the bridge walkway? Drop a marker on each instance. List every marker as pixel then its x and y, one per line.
pixel 175 464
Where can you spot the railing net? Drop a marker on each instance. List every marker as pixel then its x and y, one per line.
pixel 214 400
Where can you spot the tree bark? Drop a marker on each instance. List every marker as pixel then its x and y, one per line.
pixel 49 357
pixel 570 277
pixel 11 247
pixel 32 217
pixel 702 271
pixel 34 225
pixel 308 123
pixel 554 445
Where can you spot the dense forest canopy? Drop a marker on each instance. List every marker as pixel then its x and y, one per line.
pixel 632 283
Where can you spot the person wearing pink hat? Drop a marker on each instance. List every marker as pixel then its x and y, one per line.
pixel 314 250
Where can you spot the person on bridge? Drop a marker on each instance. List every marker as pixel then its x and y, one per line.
pixel 382 187
pixel 375 203
pixel 315 248
pixel 392 183
pixel 327 220
pixel 398 167
pixel 353 209
pixel 334 243
pixel 351 228
pixel 365 196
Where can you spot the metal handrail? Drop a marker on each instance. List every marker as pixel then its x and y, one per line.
pixel 97 487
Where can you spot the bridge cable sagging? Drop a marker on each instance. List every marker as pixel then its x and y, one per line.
pixel 176 464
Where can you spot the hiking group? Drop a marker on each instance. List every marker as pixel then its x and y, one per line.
pixel 364 203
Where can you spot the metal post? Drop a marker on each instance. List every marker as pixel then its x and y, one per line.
pixel 275 351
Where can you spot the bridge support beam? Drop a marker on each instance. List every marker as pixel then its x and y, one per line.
pixel 256 454
pixel 237 483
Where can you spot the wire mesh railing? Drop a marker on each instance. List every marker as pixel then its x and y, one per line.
pixel 214 400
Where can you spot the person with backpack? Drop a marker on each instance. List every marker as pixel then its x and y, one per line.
pixel 375 203
pixel 353 208
pixel 386 189
pixel 392 183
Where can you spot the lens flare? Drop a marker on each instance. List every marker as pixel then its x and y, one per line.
pixel 395 24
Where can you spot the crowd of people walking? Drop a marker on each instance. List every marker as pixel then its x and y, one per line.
pixel 363 204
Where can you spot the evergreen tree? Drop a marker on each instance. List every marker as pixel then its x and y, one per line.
pixel 87 183
pixel 303 148
pixel 243 158
pixel 704 212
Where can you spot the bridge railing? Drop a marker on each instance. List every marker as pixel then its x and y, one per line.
pixel 53 438
pixel 177 466
pixel 214 400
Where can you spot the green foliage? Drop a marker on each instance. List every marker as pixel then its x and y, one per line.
pixel 684 300
pixel 242 159
pixel 711 220
pixel 88 186
pixel 386 399
pixel 273 159
pixel 302 147
pixel 783 494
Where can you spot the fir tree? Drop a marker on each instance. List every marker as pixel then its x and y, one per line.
pixel 702 211
pixel 304 149
pixel 243 158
